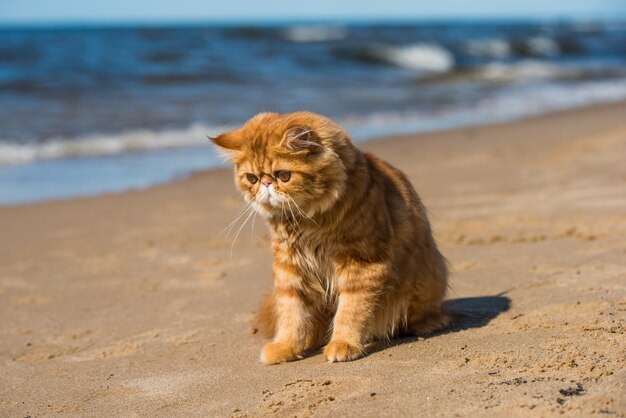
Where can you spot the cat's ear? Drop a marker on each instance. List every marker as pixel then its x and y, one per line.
pixel 299 138
pixel 229 142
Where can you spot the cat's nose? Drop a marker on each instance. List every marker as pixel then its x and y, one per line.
pixel 266 182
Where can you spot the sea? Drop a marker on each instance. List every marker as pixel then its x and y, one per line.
pixel 86 110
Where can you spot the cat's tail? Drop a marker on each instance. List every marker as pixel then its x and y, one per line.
pixel 264 320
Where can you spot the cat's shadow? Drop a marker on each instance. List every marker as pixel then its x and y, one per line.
pixel 468 313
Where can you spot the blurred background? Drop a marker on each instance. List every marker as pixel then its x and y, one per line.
pixel 103 96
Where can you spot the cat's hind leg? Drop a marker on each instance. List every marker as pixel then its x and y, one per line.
pixel 423 323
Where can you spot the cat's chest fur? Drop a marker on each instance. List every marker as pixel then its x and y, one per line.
pixel 313 257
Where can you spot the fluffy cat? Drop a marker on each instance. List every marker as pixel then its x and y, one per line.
pixel 354 255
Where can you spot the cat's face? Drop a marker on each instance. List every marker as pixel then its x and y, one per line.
pixel 288 164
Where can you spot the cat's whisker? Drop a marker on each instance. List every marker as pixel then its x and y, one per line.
pixel 295 220
pixel 247 209
pixel 301 211
pixel 287 215
pixel 256 212
pixel 232 246
pixel 284 215
pixel 230 226
pixel 240 212
pixel 235 217
pixel 282 211
pixel 254 235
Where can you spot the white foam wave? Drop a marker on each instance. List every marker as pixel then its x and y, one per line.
pixel 525 101
pixel 513 104
pixel 426 58
pixel 542 46
pixel 492 48
pixel 526 70
pixel 314 33
pixel 12 152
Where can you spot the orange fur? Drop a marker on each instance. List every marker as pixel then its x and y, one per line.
pixel 354 255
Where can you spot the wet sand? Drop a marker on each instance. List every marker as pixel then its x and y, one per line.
pixel 139 303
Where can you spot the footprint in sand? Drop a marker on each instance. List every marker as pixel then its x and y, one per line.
pixel 133 344
pixel 52 347
pixel 300 398
pixel 169 387
pixel 121 348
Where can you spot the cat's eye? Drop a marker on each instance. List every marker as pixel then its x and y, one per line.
pixel 252 178
pixel 283 175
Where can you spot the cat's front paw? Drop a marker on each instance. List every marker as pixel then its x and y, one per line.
pixel 274 353
pixel 341 351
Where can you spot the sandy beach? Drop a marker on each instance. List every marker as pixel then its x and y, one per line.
pixel 139 303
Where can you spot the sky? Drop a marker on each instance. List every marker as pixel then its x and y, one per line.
pixel 163 11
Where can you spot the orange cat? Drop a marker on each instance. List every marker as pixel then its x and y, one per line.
pixel 354 255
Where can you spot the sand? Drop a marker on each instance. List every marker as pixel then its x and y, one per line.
pixel 133 304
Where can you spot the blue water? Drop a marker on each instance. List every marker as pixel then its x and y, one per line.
pixel 92 110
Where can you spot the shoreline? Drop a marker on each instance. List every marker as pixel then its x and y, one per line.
pixel 187 152
pixel 139 302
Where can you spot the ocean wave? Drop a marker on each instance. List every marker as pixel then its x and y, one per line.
pixel 542 45
pixel 422 57
pixel 315 33
pixel 12 152
pixel 491 48
pixel 534 46
pixel 537 46
pixel 514 101
pixel 527 70
pixel 513 104
pixel 598 26
pixel 527 101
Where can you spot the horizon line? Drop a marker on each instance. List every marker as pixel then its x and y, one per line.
pixel 392 19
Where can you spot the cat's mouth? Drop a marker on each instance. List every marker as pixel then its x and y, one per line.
pixel 267 196
pixel 270 201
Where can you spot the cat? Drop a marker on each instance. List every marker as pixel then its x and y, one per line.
pixel 354 258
